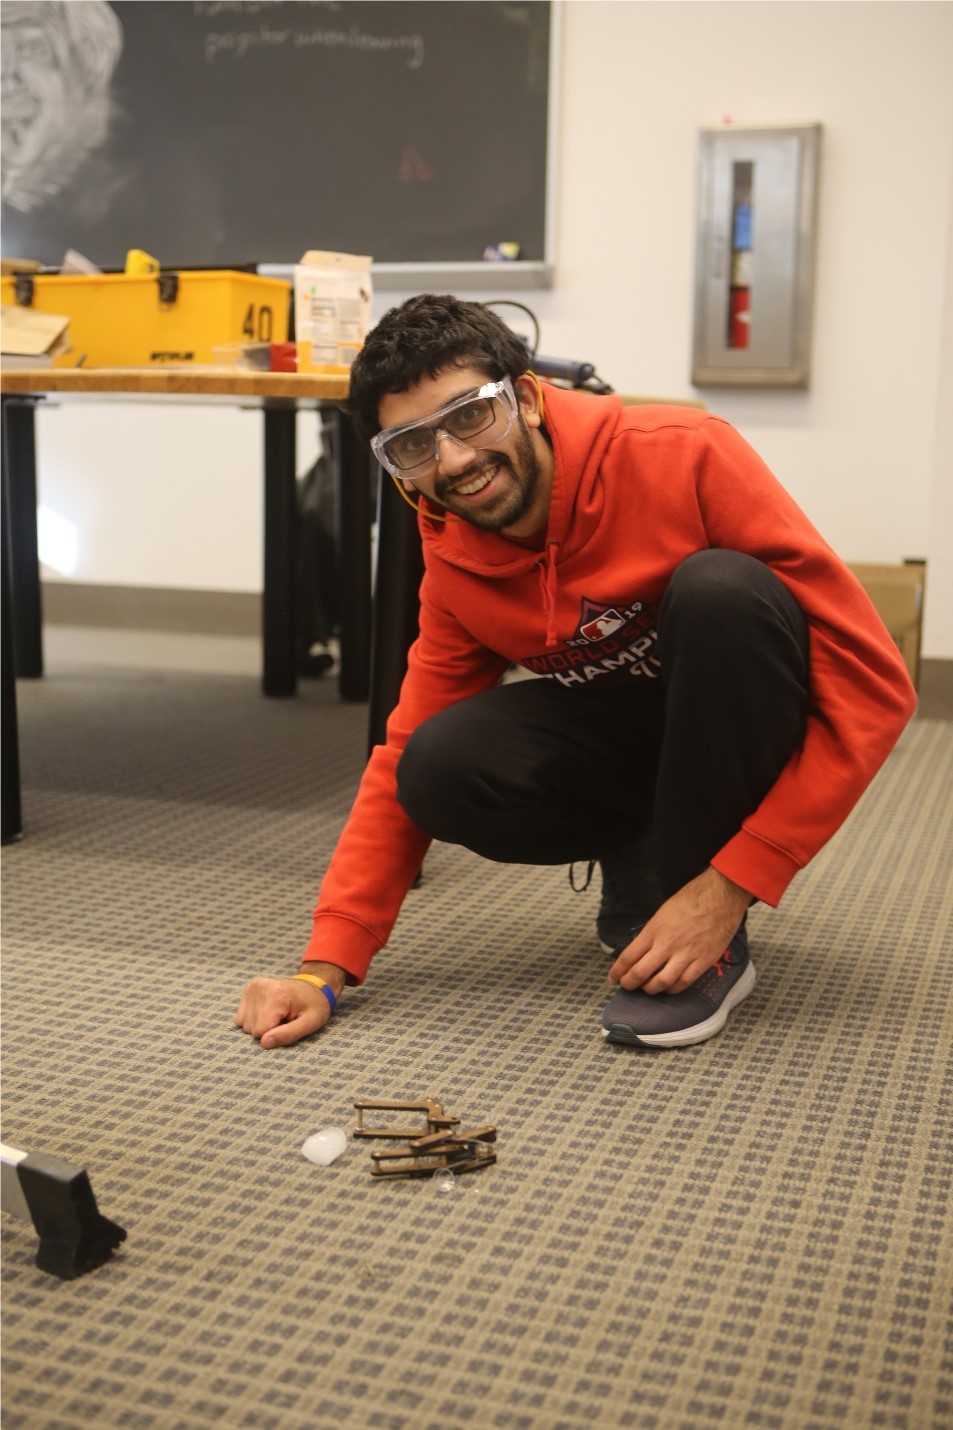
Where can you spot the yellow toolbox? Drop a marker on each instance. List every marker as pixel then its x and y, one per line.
pixel 151 320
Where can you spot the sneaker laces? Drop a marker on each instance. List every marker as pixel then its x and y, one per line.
pixel 727 960
pixel 581 888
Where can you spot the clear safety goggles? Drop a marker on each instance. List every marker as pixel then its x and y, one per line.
pixel 477 419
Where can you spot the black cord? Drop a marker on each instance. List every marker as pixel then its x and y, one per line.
pixel 594 383
pixel 511 303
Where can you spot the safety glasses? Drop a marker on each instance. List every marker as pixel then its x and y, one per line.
pixel 476 419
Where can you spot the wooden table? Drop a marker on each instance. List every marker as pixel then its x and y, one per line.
pixel 279 396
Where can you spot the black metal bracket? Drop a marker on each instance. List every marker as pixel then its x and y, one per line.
pixel 168 287
pixel 74 1236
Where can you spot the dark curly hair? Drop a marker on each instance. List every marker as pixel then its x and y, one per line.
pixel 421 338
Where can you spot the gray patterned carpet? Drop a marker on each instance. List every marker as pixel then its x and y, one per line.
pixel 755 1232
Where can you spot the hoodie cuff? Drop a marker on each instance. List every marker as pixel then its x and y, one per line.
pixel 343 942
pixel 763 869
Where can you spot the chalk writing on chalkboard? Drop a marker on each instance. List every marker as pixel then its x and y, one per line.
pixel 235 44
pixel 414 168
pixel 250 132
pixel 56 106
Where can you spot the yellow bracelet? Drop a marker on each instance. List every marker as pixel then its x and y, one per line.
pixel 326 988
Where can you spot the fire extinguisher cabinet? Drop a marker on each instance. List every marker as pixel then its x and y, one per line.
pixel 754 263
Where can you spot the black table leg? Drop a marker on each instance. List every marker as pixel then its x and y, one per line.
pixel 19 457
pixel 279 604
pixel 400 568
pixel 353 540
pixel 11 818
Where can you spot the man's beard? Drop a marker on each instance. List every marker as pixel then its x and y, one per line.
pixel 517 499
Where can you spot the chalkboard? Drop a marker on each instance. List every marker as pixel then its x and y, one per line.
pixel 232 133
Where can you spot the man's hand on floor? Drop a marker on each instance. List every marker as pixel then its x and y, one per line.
pixel 281 1011
pixel 687 935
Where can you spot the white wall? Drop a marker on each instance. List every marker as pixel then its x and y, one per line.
pixel 867 451
pixel 939 601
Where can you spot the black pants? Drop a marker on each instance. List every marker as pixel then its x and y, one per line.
pixel 534 772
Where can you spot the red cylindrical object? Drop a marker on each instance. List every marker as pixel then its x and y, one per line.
pixel 740 318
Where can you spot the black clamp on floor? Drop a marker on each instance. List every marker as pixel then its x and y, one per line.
pixel 58 1197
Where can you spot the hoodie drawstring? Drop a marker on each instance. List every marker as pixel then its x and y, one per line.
pixel 547 583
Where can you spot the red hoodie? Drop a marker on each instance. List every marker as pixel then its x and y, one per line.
pixel 635 491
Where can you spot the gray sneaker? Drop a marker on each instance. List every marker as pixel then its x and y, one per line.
pixel 674 1020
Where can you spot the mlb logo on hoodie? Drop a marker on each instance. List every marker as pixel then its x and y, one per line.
pixel 602 625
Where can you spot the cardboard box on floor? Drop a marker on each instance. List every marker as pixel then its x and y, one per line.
pixel 897 594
